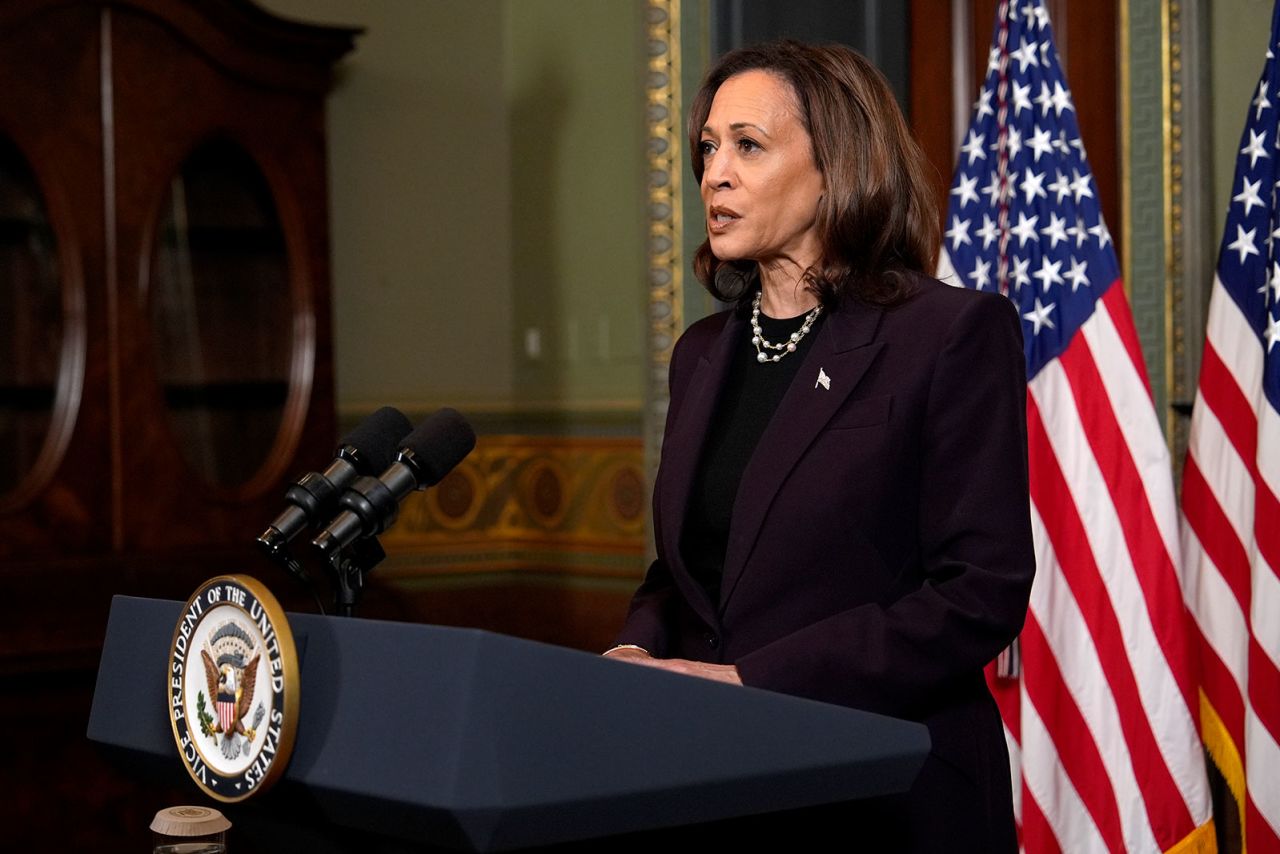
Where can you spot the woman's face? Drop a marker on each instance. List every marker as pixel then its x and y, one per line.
pixel 760 184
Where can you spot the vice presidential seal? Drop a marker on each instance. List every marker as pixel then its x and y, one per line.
pixel 233 687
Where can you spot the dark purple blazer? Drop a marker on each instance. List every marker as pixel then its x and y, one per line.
pixel 880 548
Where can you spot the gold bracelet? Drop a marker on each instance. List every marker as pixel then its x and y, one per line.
pixel 627 646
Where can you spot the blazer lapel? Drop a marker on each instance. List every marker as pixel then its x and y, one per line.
pixel 682 451
pixel 834 366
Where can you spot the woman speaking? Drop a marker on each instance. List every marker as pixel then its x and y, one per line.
pixel 841 510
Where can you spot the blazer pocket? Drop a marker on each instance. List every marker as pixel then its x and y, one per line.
pixel 865 412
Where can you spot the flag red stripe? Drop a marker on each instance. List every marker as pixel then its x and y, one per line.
pixel 1036 835
pixel 1158 577
pixel 1219 391
pixel 1264 694
pixel 1259 837
pixel 1223 693
pixel 1118 307
pixel 1213 529
pixel 1008 699
pixel 1076 748
pixel 1266 524
pixel 1235 412
pixel 1168 814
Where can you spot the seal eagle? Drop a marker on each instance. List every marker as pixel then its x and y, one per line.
pixel 231 684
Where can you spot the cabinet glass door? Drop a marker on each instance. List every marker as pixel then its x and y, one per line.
pixel 221 316
pixel 31 322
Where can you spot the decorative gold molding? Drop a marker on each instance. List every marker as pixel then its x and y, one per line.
pixel 515 498
pixel 666 273
pixel 666 257
pixel 1171 90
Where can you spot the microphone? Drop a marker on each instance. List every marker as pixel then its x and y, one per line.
pixel 369 448
pixel 371 504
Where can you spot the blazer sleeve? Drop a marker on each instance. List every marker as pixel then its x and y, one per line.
pixel 650 618
pixel 977 559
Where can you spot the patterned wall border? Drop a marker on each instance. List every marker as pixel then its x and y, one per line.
pixel 1151 194
pixel 528 502
pixel 1171 102
pixel 1191 212
pixel 1176 427
pixel 666 252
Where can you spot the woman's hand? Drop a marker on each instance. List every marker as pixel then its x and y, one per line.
pixel 715 672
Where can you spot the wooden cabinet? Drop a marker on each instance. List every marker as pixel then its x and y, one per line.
pixel 162 163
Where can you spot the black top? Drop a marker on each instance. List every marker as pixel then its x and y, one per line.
pixel 748 401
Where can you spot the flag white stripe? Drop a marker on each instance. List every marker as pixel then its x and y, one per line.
pixel 1172 723
pixel 1051 788
pixel 1015 760
pixel 1265 613
pixel 1236 344
pixel 1233 338
pixel 1230 334
pixel 1230 481
pixel 1127 394
pixel 1262 761
pixel 1215 609
pixel 1076 657
pixel 1268 445
pixel 1223 469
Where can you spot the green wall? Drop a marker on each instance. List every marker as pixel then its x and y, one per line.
pixel 487 189
pixel 575 98
pixel 1238 33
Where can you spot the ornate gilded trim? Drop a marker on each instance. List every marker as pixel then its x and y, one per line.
pixel 1171 56
pixel 1147 181
pixel 1126 149
pixel 666 259
pixel 522 502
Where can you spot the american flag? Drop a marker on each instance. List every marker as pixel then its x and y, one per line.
pixel 1101 718
pixel 1231 516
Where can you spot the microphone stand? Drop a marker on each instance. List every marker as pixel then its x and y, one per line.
pixel 349 571
pixel 276 548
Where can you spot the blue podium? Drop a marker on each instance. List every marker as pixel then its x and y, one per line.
pixel 471 740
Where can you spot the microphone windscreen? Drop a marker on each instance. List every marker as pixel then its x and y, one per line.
pixel 376 439
pixel 439 443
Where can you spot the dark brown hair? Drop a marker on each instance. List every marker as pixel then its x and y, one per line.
pixel 877 219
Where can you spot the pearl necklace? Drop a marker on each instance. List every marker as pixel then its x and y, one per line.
pixel 762 344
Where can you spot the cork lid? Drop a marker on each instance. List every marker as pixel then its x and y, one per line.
pixel 189 821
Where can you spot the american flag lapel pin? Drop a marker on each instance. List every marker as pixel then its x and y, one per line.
pixel 823 380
